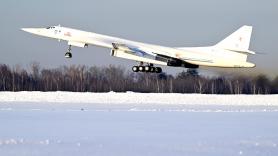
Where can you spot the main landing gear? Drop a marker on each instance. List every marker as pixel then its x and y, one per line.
pixel 148 69
pixel 68 54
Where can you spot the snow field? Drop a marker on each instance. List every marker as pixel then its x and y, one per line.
pixel 140 98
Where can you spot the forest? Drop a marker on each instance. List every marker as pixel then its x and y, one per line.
pixel 80 78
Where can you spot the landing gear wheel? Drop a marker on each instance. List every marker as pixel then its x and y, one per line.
pixel 152 69
pixel 158 70
pixel 141 68
pixel 68 55
pixel 147 68
pixel 135 68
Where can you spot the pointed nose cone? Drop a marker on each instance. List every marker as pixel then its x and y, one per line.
pixel 31 30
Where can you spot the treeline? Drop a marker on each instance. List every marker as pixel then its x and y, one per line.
pixel 104 79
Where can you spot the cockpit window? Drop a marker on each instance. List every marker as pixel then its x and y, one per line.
pixel 50 28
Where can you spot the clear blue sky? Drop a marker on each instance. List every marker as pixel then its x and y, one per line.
pixel 169 23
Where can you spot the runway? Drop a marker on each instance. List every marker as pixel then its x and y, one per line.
pixel 47 128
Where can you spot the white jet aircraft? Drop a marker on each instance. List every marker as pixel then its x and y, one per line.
pixel 231 52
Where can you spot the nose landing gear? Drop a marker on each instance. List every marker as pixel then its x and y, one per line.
pixel 68 54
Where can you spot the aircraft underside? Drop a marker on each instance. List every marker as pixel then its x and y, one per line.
pixel 148 67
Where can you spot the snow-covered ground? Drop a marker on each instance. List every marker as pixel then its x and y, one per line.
pixel 64 123
pixel 139 98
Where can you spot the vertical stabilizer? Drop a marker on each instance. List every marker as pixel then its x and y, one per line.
pixel 237 41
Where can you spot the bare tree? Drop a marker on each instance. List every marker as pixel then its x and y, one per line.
pixel 114 78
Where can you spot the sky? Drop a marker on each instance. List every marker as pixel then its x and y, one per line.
pixel 174 23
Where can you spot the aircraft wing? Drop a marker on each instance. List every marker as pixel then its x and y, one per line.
pixel 150 54
pixel 141 52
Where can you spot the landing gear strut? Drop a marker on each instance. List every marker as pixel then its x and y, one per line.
pixel 68 54
pixel 148 69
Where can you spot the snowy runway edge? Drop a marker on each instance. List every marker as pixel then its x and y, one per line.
pixel 140 98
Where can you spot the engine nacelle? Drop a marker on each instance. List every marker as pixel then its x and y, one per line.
pixel 189 65
pixel 179 63
pixel 132 56
pixel 174 62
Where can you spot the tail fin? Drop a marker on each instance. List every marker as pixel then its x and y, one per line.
pixel 238 41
